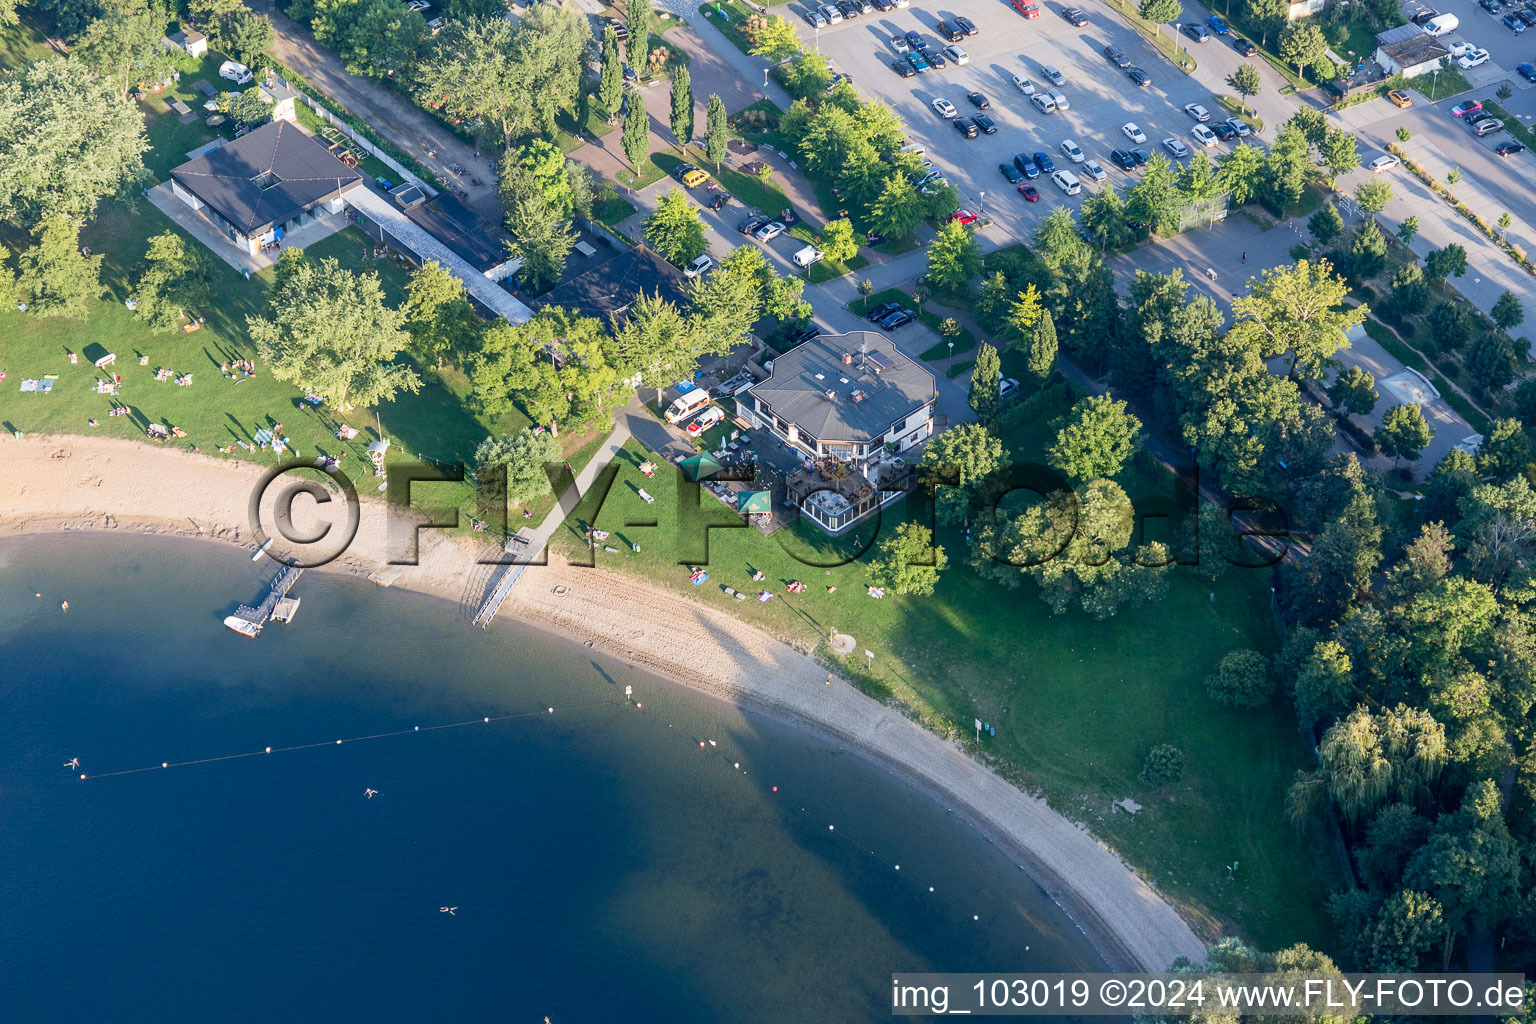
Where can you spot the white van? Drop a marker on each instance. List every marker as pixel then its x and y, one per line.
pixel 237 73
pixel 806 256
pixel 1441 24
pixel 686 404
pixel 1067 182
pixel 1043 103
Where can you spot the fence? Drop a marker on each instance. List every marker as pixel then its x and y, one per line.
pixel 367 144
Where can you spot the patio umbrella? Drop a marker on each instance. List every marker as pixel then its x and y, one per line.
pixel 755 502
pixel 701 467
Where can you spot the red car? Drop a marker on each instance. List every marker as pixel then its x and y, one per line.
pixel 963 216
pixel 1028 8
pixel 1029 192
pixel 1469 107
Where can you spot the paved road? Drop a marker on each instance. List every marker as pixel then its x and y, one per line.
pixel 408 128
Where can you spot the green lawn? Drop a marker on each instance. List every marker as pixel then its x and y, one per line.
pixel 1077 703
pixel 730 22
pixel 23 42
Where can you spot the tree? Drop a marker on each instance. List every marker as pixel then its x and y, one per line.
pixel 1159 12
pixel 653 342
pixel 898 210
pixel 775 38
pixel 1407 229
pixel 637 130
pixel 1324 685
pixel 56 278
pixel 1403 433
pixel 986 380
pixel 122 44
pixel 1287 166
pixel 1367 252
pixel 1367 758
pixel 507 364
pixel 1302 44
pixel 953 256
pixel 1100 435
pixel 725 305
pixel 1245 82
pixel 806 75
pixel 328 331
pixel 250 106
pixel 785 300
pixel 610 82
pixel 523 457
pixel 1337 152
pixel 1448 262
pixel 682 106
pixel 244 35
pixel 383 38
pixel 1241 680
pixel 674 229
pixel 175 275
pixel 716 136
pixel 1507 312
pixel 541 235
pixel 1103 216
pixel 1492 361
pixel 1240 172
pixel 1403 133
pixel 1373 195
pixel 1450 324
pixel 1410 291
pixel 637 19
pixel 67 140
pixel 956 464
pixel 1505 220
pixel 1354 390
pixel 1505 451
pixel 1154 200
pixel 1042 348
pixel 1325 224
pixel 1296 309
pixel 1405 928
pixel 438 315
pixel 1197 181
pixel 1164 765
pixel 837 241
pixel 1470 865
pixel 1025 311
pixel 909 562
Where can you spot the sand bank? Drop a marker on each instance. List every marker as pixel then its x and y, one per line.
pixel 49 484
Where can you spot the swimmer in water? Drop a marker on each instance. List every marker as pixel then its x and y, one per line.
pixel 370 793
pixel 73 762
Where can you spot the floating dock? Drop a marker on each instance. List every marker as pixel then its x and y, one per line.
pixel 247 621
pixel 517 544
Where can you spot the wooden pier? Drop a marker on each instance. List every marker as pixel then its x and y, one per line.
pixel 247 621
pixel 517 544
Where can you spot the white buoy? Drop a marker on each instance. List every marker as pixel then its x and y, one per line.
pixel 735 764
pixel 831 828
pixel 338 743
pixel 930 889
pixel 417 729
pixel 975 917
pixel 898 867
pixel 551 710
pixel 165 764
pixel 487 719
pixel 269 750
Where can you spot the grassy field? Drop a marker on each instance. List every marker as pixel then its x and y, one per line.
pixel 1077 703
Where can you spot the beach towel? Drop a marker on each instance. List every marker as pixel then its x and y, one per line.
pixel 41 387
pixel 765 597
pixel 699 579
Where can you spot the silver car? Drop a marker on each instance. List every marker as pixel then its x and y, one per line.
pixel 768 232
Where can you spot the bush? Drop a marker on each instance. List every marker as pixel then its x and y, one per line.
pixel 1164 765
pixel 1241 680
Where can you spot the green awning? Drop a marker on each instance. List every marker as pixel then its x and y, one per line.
pixel 756 502
pixel 700 467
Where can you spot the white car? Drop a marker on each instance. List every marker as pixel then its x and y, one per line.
pixel 806 256
pixel 237 73
pixel 944 108
pixel 1197 112
pixel 1177 148
pixel 903 3
pixel 1384 163
pixel 1070 150
pixel 1474 58
pixel 957 55
pixel 900 44
pixel 768 232
pixel 1458 50
pixel 1132 131
pixel 1059 98
pixel 1203 135
pixel 699 267
pixel 1094 170
pixel 1024 85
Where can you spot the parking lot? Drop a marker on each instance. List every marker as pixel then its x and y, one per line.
pixel 1101 97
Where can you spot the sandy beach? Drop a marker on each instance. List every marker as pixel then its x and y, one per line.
pixel 61 483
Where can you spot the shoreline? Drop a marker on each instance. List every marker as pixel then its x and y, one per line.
pixel 56 484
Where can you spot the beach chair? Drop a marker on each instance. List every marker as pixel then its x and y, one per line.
pixel 648 498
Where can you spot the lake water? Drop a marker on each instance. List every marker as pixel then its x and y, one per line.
pixel 603 866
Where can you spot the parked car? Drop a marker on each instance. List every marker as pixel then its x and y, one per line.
pixel 948 31
pixel 1526 71
pixel 944 108
pixel 1514 23
pixel 986 124
pixel 1400 98
pixel 769 231
pixel 806 256
pixel 1012 173
pixel 1477 117
pixel 1075 16
pixel 1070 150
pixel 915 41
pixel 967 26
pixel 1508 147
pixel 1053 74
pixel 1132 131
pixel 1059 98
pixel 1007 388
pixel 900 318
pixel 751 224
pixel 804 335
pixel 900 44
pixel 1138 76
pixel 964 217
pixel 884 6
pixel 1459 49
pixel 1199 33
pixel 1474 59
pixel 1027 165
pixel 1141 156
pixel 1094 170
pixel 1491 6
pixel 235 72
pixel 881 311
pixel 1423 16
pixel 1203 135
pixel 1197 112
pixel 1067 182
pixel 1244 47
pixel 1122 159
pixel 1467 107
pixel 978 101
pixel 1488 127
pixel 703 265
pixel 694 178
pixel 1028 8
pixel 1384 163
pixel 1224 131
pixel 1217 25
pixel 934 59
pixel 1240 126
pixel 917 62
pixel 1024 85
pixel 1044 162
pixel 831 12
pixel 966 126
pixel 957 56
pixel 815 18
pixel 1116 56
pixel 1043 103
pixel 849 8
pixel 1176 148
pixel 1029 192
pixel 903 69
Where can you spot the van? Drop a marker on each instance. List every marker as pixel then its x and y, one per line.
pixel 1487 127
pixel 686 404
pixel 1043 103
pixel 694 178
pixel 1067 182
pixel 806 256
pixel 1441 24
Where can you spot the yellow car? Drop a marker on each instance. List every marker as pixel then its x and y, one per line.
pixel 695 178
pixel 1401 98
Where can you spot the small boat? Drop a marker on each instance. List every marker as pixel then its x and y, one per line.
pixel 262 550
pixel 243 626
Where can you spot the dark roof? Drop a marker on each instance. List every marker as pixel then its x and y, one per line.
pixel 796 394
pixel 612 286
pixel 461 229
pixel 266 177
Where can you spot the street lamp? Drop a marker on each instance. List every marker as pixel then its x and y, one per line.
pixel 981 211
pixel 765 83
pixel 818 40
pixel 951 353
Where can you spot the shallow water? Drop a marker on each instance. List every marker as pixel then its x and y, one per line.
pixel 603 866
